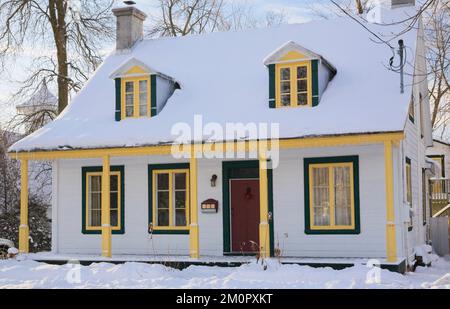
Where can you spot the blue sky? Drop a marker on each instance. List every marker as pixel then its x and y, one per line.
pixel 296 11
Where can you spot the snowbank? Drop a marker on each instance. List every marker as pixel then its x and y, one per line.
pixel 31 274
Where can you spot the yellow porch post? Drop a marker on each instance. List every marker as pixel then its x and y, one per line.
pixel 106 214
pixel 193 227
pixel 24 229
pixel 391 245
pixel 264 241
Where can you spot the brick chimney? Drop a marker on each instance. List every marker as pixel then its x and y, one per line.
pixel 130 26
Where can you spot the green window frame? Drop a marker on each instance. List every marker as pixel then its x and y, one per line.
pixel 117 193
pixel 332 167
pixel 171 170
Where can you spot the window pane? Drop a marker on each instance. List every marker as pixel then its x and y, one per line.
pixel 285 87
pixel 163 199
pixel 114 217
pixel 163 217
pixel 180 217
pixel 180 199
pixel 302 72
pixel 163 181
pixel 286 100
pixel 285 74
pixel 321 196
pixel 96 183
pixel 143 110
pixel 129 111
pixel 95 218
pixel 302 99
pixel 343 208
pixel 129 99
pixel 114 199
pixel 180 181
pixel 142 86
pixel 96 200
pixel 129 87
pixel 302 85
pixel 114 183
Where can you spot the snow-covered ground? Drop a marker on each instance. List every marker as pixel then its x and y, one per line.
pixel 31 274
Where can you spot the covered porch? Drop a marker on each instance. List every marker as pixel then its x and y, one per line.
pixel 388 140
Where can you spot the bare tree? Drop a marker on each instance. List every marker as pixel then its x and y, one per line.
pixel 183 17
pixel 437 35
pixel 9 176
pixel 71 30
pixel 435 15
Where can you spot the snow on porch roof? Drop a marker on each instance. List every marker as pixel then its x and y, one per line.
pixel 224 79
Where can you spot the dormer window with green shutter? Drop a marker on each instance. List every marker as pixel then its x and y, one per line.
pixel 136 87
pixel 294 79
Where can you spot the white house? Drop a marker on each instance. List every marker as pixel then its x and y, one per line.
pixel 336 169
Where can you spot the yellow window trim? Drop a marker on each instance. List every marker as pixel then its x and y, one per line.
pixel 171 225
pixel 135 80
pixel 293 79
pixel 119 206
pixel 408 183
pixel 332 225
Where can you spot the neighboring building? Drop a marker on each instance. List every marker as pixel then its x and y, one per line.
pixel 440 153
pixel 349 180
pixel 440 184
pixel 39 110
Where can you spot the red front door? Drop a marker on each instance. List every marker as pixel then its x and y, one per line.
pixel 244 215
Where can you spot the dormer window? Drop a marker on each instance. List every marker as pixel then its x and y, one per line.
pixel 294 75
pixel 293 84
pixel 136 90
pixel 135 97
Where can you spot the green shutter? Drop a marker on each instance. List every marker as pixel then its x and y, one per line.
pixel 154 111
pixel 271 85
pixel 118 93
pixel 315 82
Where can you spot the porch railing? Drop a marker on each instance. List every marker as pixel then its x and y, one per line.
pixel 440 194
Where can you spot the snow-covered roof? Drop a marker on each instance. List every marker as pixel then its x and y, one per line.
pixel 224 79
pixel 42 98
pixel 291 46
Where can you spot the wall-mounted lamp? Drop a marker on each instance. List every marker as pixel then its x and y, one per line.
pixel 213 180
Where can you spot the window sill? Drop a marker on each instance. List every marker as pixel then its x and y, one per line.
pixel 332 232
pixel 98 232
pixel 170 232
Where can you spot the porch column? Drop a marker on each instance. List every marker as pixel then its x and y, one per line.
pixel 193 227
pixel 391 245
pixel 106 213
pixel 24 229
pixel 264 241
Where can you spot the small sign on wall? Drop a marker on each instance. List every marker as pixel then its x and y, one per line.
pixel 210 205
